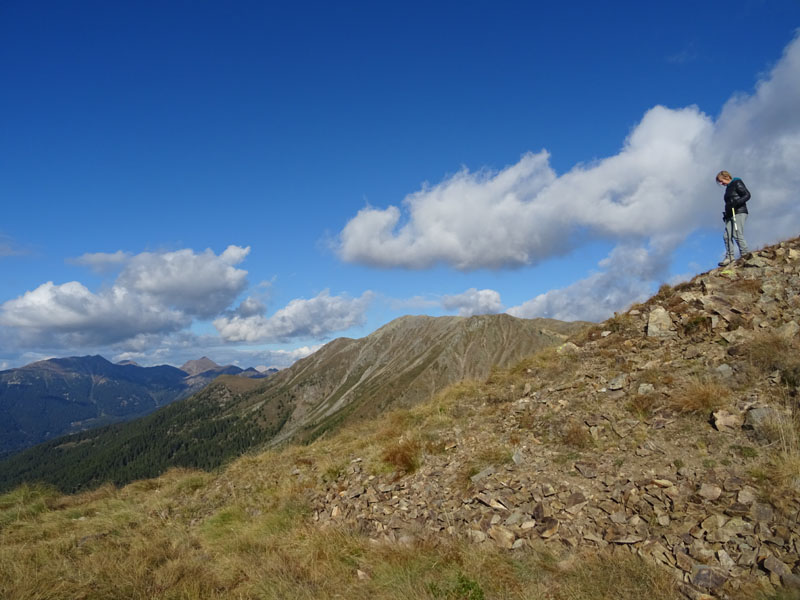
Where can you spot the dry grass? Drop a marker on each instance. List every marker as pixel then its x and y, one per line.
pixel 643 405
pixel 768 352
pixel 782 465
pixel 249 532
pixel 576 435
pixel 405 455
pixel 259 542
pixel 747 286
pixel 701 397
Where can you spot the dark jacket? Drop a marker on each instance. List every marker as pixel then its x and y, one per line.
pixel 736 197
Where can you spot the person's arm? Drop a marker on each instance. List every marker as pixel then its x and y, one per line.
pixel 742 194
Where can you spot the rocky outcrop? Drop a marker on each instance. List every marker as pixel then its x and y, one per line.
pixel 623 448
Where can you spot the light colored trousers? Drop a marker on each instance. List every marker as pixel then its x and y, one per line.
pixel 735 235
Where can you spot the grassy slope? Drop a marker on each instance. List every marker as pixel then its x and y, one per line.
pixel 247 532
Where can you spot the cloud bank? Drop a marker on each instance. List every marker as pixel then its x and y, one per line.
pixel 647 198
pixel 155 293
pixel 146 312
pixel 300 318
pixel 474 302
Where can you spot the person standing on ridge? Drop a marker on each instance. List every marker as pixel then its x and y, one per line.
pixel 734 215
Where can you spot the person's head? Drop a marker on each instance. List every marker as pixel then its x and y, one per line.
pixel 724 178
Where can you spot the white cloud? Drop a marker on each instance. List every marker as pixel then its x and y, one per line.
pixel 250 307
pixel 76 316
pixel 101 262
pixel 316 318
pixel 626 278
pixel 199 284
pixel 156 293
pixel 525 214
pixel 656 191
pixel 474 302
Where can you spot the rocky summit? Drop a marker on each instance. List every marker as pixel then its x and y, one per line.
pixel 669 431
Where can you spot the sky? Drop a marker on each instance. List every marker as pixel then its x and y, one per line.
pixel 250 180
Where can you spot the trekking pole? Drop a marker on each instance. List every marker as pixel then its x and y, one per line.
pixel 733 218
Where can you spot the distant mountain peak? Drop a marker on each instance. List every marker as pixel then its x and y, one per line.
pixel 201 365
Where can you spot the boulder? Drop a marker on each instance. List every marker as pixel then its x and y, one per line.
pixel 659 323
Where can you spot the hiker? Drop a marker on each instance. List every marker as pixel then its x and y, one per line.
pixel 734 215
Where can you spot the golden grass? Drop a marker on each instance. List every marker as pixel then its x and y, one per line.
pixel 405 455
pixel 248 531
pixel 701 397
pixel 142 544
pixel 768 352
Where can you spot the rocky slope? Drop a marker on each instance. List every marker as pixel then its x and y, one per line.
pixel 670 431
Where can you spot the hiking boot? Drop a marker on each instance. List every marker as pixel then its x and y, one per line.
pixel 724 263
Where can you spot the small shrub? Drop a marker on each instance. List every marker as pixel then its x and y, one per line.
pixel 463 588
pixel 745 451
pixel 333 472
pixel 576 435
pixel 404 455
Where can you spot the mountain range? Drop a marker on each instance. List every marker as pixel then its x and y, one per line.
pixel 400 364
pixel 54 397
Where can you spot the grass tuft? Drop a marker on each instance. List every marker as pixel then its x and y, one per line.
pixel 701 397
pixel 405 455
pixel 770 352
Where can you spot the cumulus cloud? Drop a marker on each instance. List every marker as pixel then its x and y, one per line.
pixel 658 184
pixel 525 213
pixel 652 194
pixel 155 293
pixel 72 312
pixel 316 318
pixel 201 284
pixel 474 302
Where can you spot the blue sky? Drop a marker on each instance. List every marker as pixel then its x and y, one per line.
pixel 249 180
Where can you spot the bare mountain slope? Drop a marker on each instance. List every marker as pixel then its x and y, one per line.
pixel 403 363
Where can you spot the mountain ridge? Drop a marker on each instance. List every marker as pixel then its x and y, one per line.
pixel 58 396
